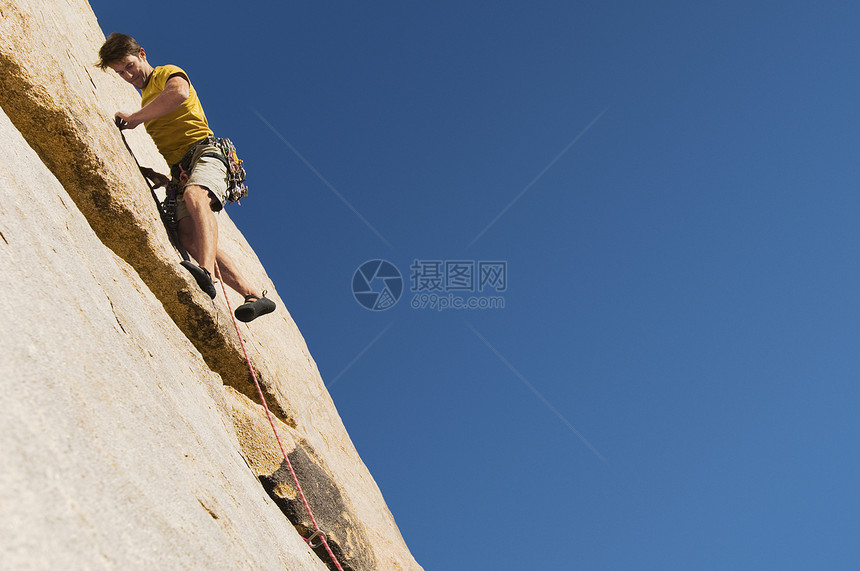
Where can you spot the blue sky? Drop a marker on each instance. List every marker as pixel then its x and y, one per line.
pixel 681 247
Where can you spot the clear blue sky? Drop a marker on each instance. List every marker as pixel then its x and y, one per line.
pixel 683 280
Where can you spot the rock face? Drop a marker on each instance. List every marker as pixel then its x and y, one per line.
pixel 132 435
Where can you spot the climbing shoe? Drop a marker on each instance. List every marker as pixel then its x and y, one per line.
pixel 254 307
pixel 203 278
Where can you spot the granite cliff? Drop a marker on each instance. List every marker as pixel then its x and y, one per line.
pixel 132 435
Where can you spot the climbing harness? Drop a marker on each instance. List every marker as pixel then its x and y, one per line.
pixel 226 153
pixel 318 533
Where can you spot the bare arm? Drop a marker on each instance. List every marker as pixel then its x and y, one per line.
pixel 175 92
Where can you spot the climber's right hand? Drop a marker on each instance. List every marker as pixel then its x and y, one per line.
pixel 125 120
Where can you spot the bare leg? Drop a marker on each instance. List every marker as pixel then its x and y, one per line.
pixel 198 232
pixel 232 277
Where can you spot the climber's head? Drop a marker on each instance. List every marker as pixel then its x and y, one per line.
pixel 125 56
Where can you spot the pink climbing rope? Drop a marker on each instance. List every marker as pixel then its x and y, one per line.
pixel 318 533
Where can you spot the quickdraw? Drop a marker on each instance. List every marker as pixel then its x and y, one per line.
pixel 168 207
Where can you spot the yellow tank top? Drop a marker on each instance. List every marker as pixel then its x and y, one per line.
pixel 175 132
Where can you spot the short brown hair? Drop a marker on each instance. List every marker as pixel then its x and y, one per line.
pixel 115 48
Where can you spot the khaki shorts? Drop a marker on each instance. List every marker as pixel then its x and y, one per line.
pixel 208 172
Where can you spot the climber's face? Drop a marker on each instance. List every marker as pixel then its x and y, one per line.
pixel 134 69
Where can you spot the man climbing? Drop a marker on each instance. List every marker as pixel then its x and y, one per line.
pixel 174 118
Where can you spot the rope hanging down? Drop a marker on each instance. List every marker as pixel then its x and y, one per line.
pixel 318 537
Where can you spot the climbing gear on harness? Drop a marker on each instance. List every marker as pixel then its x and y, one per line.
pixel 254 307
pixel 236 189
pixel 203 278
pixel 318 533
pixel 169 205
